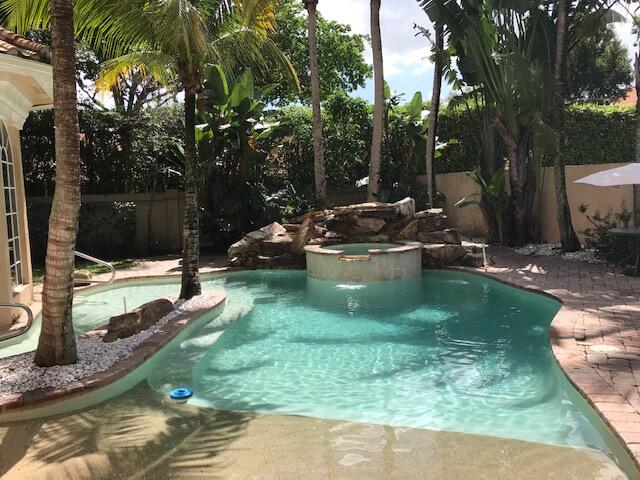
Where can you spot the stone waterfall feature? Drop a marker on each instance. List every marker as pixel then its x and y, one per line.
pixel 283 245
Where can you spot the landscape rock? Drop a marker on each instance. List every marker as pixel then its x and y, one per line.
pixel 410 232
pixel 280 246
pixel 406 207
pixel 450 236
pixel 373 225
pixel 82 277
pixel 128 324
pixel 439 255
pixel 475 260
pixel 303 236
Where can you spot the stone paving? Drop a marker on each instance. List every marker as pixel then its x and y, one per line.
pixel 595 336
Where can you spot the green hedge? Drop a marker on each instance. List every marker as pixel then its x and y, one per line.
pixel 107 229
pixel 595 134
pixel 600 134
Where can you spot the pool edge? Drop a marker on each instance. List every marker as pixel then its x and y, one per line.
pixel 573 362
pixel 111 382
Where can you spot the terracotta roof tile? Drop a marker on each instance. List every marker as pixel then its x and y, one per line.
pixel 13 44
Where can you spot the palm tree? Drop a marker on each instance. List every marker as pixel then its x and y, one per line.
pixel 57 344
pixel 568 237
pixel 166 39
pixel 179 40
pixel 378 110
pixel 318 149
pixel 435 107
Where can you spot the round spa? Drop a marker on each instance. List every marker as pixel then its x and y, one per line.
pixel 362 262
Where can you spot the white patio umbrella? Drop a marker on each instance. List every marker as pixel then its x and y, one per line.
pixel 614 177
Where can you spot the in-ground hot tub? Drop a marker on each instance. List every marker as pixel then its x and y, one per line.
pixel 361 262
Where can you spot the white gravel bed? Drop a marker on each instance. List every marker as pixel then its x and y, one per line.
pixel 547 249
pixel 18 374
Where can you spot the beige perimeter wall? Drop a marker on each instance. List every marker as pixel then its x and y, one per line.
pixel 470 221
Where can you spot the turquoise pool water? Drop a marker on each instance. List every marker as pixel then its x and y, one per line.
pixel 361 248
pixel 446 350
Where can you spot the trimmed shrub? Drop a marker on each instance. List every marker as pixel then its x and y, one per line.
pixel 107 229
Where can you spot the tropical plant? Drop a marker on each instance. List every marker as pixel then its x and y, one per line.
pixel 232 162
pixel 611 248
pixel 493 200
pixel 375 161
pixel 318 147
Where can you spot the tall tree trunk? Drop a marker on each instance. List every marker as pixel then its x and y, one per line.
pixel 57 343
pixel 568 237
pixel 191 229
pixel 375 164
pixel 318 149
pixel 433 113
pixel 636 188
pixel 517 150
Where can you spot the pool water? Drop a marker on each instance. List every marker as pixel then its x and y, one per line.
pixel 445 351
pixel 354 249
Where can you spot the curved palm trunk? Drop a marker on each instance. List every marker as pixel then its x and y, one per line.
pixel 568 237
pixel 433 113
pixel 57 344
pixel 191 230
pixel 318 149
pixel 378 111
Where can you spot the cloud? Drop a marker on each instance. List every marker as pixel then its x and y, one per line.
pixel 404 52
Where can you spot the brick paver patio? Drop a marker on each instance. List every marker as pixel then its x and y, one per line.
pixel 596 334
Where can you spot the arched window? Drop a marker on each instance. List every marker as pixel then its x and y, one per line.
pixel 11 206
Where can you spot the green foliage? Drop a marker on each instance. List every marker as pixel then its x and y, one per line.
pixel 493 199
pixel 106 228
pixel 232 161
pixel 608 247
pixel 600 134
pixel 599 67
pixel 341 60
pixel 119 152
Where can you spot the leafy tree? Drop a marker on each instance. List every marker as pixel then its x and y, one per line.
pixel 599 67
pixel 340 55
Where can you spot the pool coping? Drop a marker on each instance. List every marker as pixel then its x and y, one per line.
pixel 34 399
pixel 571 354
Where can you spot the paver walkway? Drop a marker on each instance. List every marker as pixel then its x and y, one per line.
pixel 596 334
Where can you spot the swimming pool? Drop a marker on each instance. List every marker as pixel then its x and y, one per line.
pixel 444 351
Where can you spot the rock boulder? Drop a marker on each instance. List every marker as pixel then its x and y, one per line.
pixel 127 324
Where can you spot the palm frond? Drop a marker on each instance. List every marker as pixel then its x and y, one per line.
pixel 154 64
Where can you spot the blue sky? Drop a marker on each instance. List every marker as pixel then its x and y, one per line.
pixel 406 64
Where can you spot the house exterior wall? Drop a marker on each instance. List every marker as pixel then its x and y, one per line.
pixel 24 85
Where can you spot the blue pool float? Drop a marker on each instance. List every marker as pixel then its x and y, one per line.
pixel 181 394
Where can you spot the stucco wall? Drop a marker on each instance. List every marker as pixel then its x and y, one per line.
pixel 470 221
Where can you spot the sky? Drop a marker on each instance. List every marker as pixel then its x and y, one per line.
pixel 407 68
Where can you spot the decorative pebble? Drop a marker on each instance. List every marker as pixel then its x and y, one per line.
pixel 19 374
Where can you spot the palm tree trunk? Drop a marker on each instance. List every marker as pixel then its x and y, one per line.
pixel 378 111
pixel 318 149
pixel 191 229
pixel 57 343
pixel 568 237
pixel 433 113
